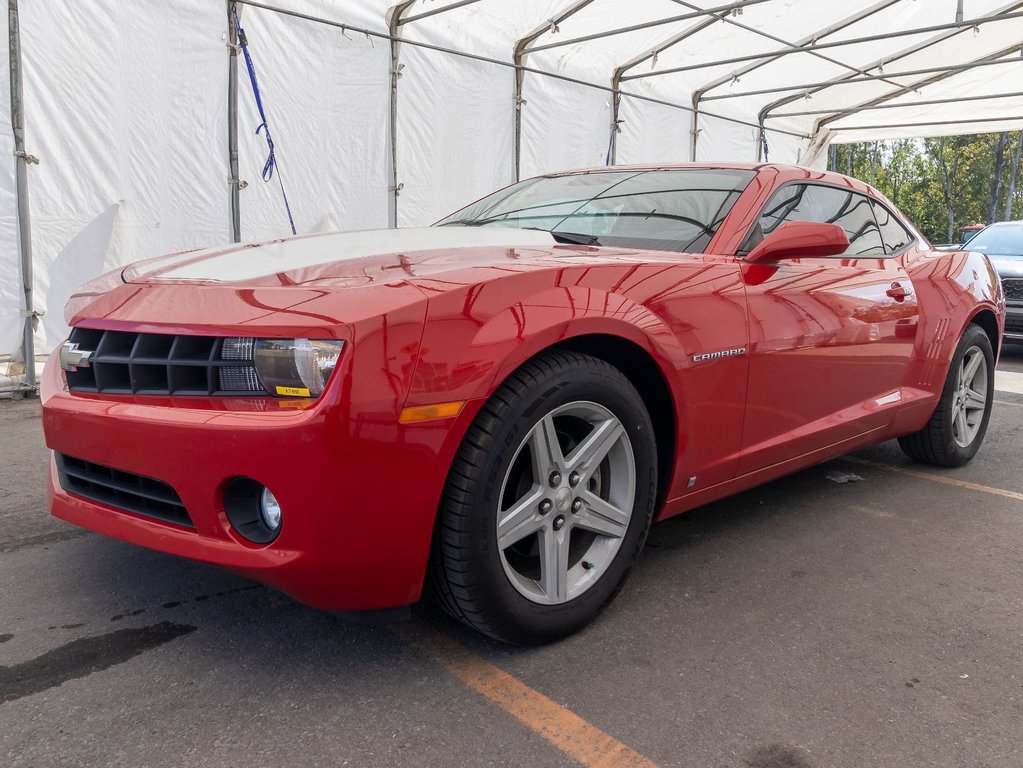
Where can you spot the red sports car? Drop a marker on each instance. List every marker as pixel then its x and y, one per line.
pixel 496 408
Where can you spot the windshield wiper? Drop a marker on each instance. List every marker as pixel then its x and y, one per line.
pixel 573 238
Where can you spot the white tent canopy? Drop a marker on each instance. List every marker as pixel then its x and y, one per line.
pixel 130 111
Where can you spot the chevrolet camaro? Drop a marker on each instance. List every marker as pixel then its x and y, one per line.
pixel 494 409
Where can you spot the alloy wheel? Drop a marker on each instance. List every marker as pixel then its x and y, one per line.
pixel 566 502
pixel 970 398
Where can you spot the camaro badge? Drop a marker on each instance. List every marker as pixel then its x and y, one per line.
pixel 716 355
pixel 72 358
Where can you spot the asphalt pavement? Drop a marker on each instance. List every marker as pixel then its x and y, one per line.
pixel 865 612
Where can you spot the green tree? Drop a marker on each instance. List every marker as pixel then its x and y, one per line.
pixel 945 183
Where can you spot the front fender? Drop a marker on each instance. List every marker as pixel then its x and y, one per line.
pixel 466 356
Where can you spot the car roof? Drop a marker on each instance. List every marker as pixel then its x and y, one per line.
pixel 784 172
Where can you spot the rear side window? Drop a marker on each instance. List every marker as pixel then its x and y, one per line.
pixel 830 205
pixel 893 234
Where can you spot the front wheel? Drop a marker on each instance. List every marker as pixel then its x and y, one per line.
pixel 956 429
pixel 548 501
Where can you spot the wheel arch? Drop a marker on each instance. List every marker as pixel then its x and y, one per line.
pixel 986 319
pixel 642 370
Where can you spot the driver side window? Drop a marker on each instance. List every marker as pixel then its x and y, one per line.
pixel 831 205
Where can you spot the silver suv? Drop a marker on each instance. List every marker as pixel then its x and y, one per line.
pixel 1003 244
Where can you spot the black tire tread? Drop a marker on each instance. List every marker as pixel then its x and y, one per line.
pixel 450 582
pixel 930 445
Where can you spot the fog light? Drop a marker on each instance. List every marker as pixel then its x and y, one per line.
pixel 252 510
pixel 270 509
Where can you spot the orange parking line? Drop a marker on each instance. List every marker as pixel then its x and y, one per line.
pixel 938 478
pixel 564 729
pixel 1007 402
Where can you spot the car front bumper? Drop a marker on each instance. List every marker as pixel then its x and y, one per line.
pixel 359 491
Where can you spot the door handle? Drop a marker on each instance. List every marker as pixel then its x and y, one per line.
pixel 897 292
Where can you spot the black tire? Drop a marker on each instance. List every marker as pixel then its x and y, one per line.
pixel 936 442
pixel 467 577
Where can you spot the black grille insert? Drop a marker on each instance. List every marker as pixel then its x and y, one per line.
pixel 128 363
pixel 1012 288
pixel 124 490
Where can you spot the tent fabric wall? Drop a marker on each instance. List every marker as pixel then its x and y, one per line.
pixel 328 121
pixel 129 124
pixel 126 106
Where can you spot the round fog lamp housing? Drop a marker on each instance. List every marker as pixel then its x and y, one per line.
pixel 270 509
pixel 252 510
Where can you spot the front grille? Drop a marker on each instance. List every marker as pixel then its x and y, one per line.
pixel 124 362
pixel 1014 323
pixel 1012 287
pixel 123 490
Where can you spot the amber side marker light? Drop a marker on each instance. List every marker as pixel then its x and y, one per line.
pixel 430 412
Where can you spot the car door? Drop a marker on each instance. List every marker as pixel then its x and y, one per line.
pixel 830 338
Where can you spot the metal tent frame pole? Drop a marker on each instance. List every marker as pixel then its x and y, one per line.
pixel 921 103
pixel 502 63
pixel 435 11
pixel 966 25
pixel 29 314
pixel 948 31
pixel 803 45
pixel 394 15
pixel 650 53
pixel 929 123
pixel 821 85
pixel 233 180
pixel 647 25
pixel 994 58
pixel 518 58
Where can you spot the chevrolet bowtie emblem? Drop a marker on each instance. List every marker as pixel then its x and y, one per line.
pixel 72 358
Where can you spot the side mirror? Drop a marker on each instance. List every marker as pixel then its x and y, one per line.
pixel 799 240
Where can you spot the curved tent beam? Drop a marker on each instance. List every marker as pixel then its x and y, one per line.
pixel 931 123
pixel 648 25
pixel 802 46
pixel 805 44
pixel 518 58
pixel 947 32
pixel 806 88
pixel 922 103
pixel 969 24
pixel 994 58
pixel 616 77
pixel 1005 12
pixel 434 12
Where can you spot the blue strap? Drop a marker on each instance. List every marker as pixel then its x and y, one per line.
pixel 271 158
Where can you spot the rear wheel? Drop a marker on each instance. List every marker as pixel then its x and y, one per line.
pixel 548 501
pixel 956 429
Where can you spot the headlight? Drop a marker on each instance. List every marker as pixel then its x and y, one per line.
pixel 288 367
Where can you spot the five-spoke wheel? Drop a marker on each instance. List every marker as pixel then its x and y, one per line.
pixel 971 401
pixel 956 429
pixel 548 501
pixel 566 502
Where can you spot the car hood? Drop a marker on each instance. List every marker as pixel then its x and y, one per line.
pixel 1007 266
pixel 353 258
pixel 276 284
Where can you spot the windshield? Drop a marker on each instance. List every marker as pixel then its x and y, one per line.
pixel 999 240
pixel 664 210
